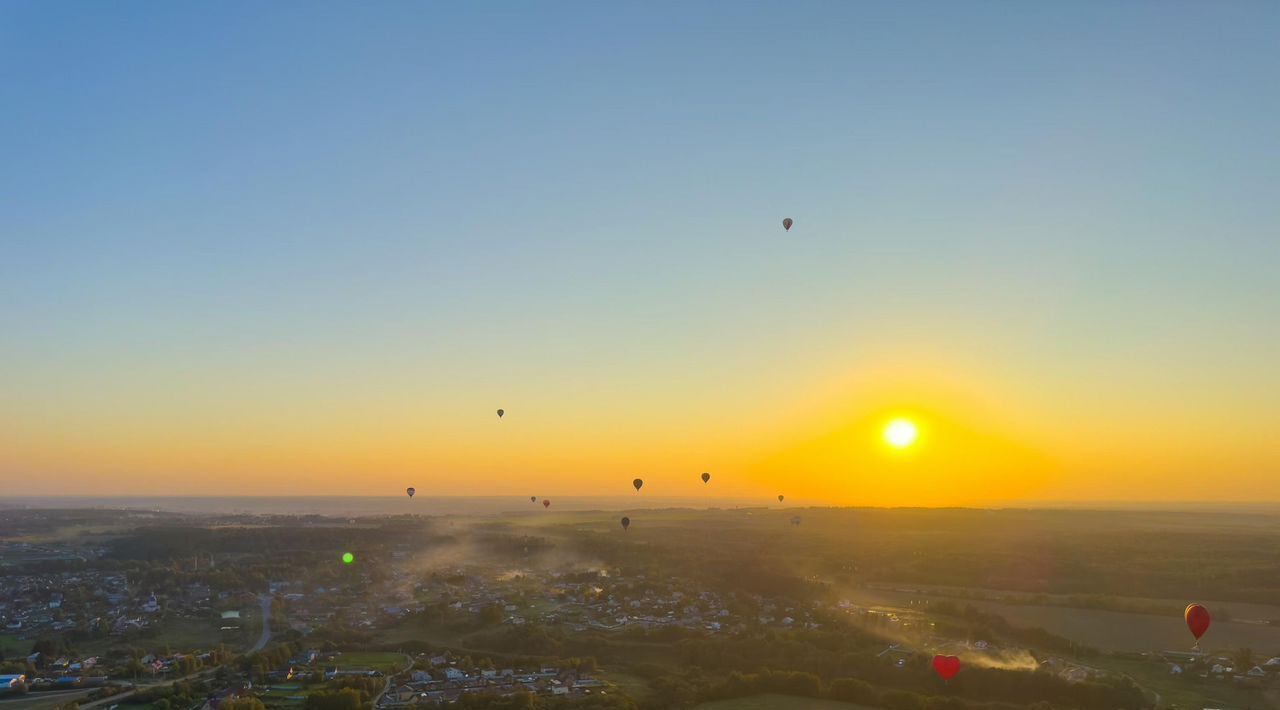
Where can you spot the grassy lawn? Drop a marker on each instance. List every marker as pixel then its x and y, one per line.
pixel 771 701
pixel 373 660
pixel 634 686
pixel 12 646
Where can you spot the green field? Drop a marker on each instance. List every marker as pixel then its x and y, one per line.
pixel 373 660
pixel 11 646
pixel 180 634
pixel 771 701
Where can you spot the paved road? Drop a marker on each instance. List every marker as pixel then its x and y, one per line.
pixel 265 601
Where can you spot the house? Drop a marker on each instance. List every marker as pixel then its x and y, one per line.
pixel 1256 672
pixel 454 674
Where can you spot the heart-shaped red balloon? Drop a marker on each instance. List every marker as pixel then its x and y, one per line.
pixel 946 666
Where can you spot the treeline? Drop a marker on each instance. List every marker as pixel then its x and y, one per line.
pixel 174 695
pixel 981 690
pixel 530 701
pixel 350 693
pixel 828 656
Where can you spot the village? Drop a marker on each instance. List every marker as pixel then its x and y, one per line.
pixel 78 623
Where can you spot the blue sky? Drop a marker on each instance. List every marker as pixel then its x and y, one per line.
pixel 226 207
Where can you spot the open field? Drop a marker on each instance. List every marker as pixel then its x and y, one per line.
pixel 372 660
pixel 772 701
pixel 12 646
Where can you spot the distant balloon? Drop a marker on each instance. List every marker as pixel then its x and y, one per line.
pixel 348 558
pixel 637 483
pixel 780 497
pixel 626 522
pixel 501 412
pixel 533 499
pixel 411 490
pixel 795 520
pixel 1197 620
pixel 546 503
pixel 946 666
pixel 786 224
pixel 706 477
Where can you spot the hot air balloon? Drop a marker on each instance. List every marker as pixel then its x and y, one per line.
pixel 780 497
pixel 546 503
pixel 626 522
pixel 706 477
pixel 946 666
pixel 411 490
pixel 637 483
pixel 786 224
pixel 1197 620
pixel 533 499
pixel 501 412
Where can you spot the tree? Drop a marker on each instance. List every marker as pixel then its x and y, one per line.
pixel 1243 658
pixel 345 699
pixel 243 703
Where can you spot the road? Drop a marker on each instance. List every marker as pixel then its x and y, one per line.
pixel 113 699
pixel 265 601
pixel 408 664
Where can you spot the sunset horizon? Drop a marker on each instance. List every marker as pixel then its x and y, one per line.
pixel 746 250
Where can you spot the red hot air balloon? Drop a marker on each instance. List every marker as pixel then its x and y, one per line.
pixel 706 477
pixel 946 666
pixel 786 224
pixel 626 523
pixel 546 503
pixel 637 483
pixel 1197 620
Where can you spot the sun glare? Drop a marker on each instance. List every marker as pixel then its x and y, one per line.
pixel 900 433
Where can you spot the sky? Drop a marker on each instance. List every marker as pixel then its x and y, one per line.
pixel 310 248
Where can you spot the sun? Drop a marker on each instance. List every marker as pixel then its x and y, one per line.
pixel 900 433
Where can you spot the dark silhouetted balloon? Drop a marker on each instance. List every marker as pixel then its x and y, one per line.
pixel 637 483
pixel 946 666
pixel 786 224
pixel 501 412
pixel 1197 619
pixel 626 523
pixel 780 497
pixel 546 503
pixel 706 477
pixel 533 499
pixel 411 491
